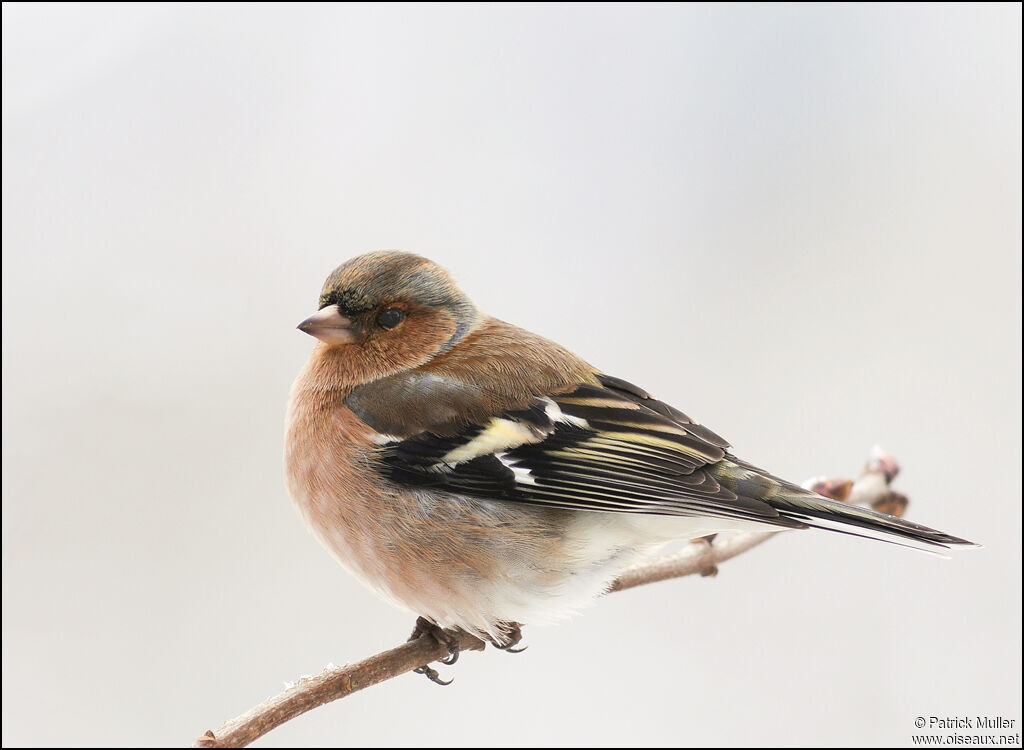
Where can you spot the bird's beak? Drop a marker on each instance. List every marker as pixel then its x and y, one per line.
pixel 330 326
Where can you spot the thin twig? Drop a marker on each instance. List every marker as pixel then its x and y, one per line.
pixel 329 685
pixel 698 558
pixel 701 557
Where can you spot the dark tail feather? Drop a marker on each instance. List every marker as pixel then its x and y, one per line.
pixel 822 513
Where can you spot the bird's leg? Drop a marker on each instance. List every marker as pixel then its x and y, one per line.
pixel 426 629
pixel 512 633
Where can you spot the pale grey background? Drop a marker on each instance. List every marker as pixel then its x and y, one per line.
pixel 802 225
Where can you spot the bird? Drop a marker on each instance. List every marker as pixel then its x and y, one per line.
pixel 484 477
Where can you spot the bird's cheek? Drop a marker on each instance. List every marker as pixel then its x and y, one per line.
pixel 422 339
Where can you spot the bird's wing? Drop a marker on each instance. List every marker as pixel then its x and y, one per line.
pixel 604 447
pixel 612 447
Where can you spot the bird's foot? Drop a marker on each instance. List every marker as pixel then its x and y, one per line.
pixel 426 629
pixel 512 633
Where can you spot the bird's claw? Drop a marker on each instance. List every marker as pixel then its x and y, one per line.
pixel 431 674
pixel 426 628
pixel 513 633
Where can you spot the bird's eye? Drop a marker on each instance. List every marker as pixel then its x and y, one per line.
pixel 390 318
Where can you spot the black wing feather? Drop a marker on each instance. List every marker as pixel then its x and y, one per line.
pixel 612 447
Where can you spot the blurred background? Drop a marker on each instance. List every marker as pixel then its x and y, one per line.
pixel 801 225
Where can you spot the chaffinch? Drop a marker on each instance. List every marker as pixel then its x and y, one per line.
pixel 484 477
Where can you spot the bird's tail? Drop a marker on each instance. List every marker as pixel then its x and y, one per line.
pixel 821 513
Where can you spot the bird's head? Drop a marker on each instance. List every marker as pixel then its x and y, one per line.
pixel 390 310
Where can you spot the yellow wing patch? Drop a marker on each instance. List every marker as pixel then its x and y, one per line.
pixel 499 434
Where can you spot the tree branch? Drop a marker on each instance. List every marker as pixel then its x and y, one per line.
pixel 701 557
